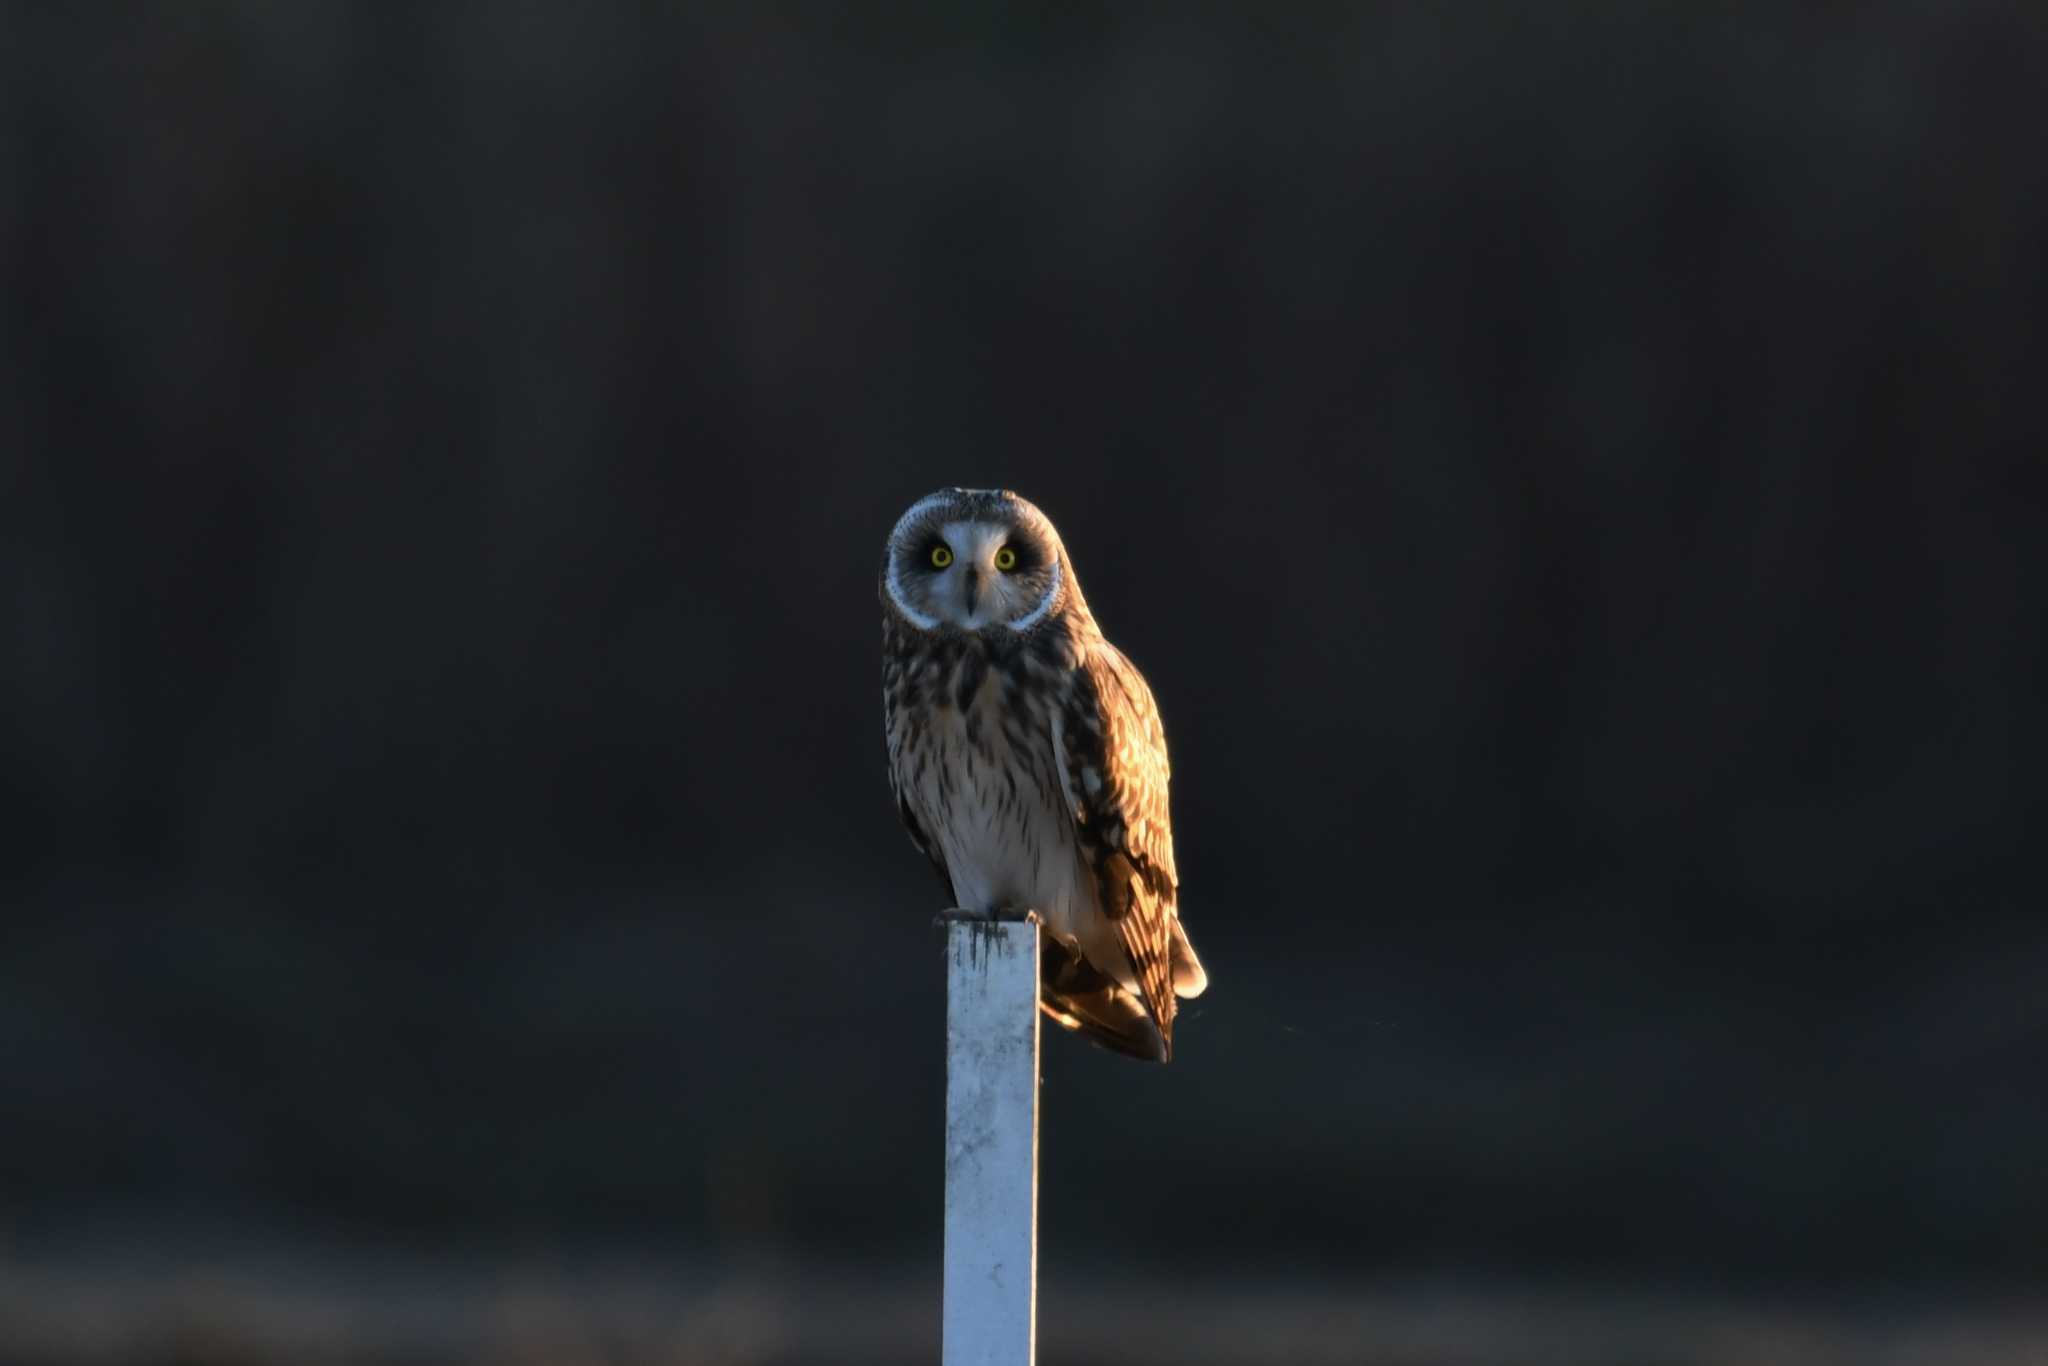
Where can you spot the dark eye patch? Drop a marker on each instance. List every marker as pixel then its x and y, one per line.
pixel 1029 555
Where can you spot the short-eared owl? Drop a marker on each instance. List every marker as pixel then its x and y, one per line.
pixel 1029 763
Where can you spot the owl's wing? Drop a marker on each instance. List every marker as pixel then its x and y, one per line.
pixel 925 844
pixel 1114 770
pixel 895 718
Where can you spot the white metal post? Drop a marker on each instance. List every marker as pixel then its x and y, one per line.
pixel 990 1316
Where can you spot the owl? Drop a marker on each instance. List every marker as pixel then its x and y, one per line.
pixel 1029 764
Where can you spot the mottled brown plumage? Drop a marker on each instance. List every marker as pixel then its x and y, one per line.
pixel 1029 763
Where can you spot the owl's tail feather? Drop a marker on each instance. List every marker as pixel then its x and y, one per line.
pixel 1190 979
pixel 1074 994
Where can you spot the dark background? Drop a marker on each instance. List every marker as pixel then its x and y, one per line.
pixel 1572 474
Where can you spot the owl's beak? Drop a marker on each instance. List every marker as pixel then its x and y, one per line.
pixel 973 590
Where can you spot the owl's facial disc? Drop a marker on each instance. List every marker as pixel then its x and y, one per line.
pixel 972 572
pixel 975 589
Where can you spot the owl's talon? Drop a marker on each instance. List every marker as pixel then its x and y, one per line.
pixel 1000 915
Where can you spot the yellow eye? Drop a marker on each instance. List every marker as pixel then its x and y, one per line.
pixel 941 557
pixel 1006 559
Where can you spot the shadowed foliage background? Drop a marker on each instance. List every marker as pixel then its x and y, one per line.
pixel 1573 477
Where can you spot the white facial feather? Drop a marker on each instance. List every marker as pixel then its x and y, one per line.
pixel 910 614
pixel 1037 614
pixel 974 548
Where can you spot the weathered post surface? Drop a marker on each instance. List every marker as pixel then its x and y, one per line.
pixel 990 1316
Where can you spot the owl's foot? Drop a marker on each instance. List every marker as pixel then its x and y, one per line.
pixel 1012 915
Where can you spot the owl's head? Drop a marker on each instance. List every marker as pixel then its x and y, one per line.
pixel 975 560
